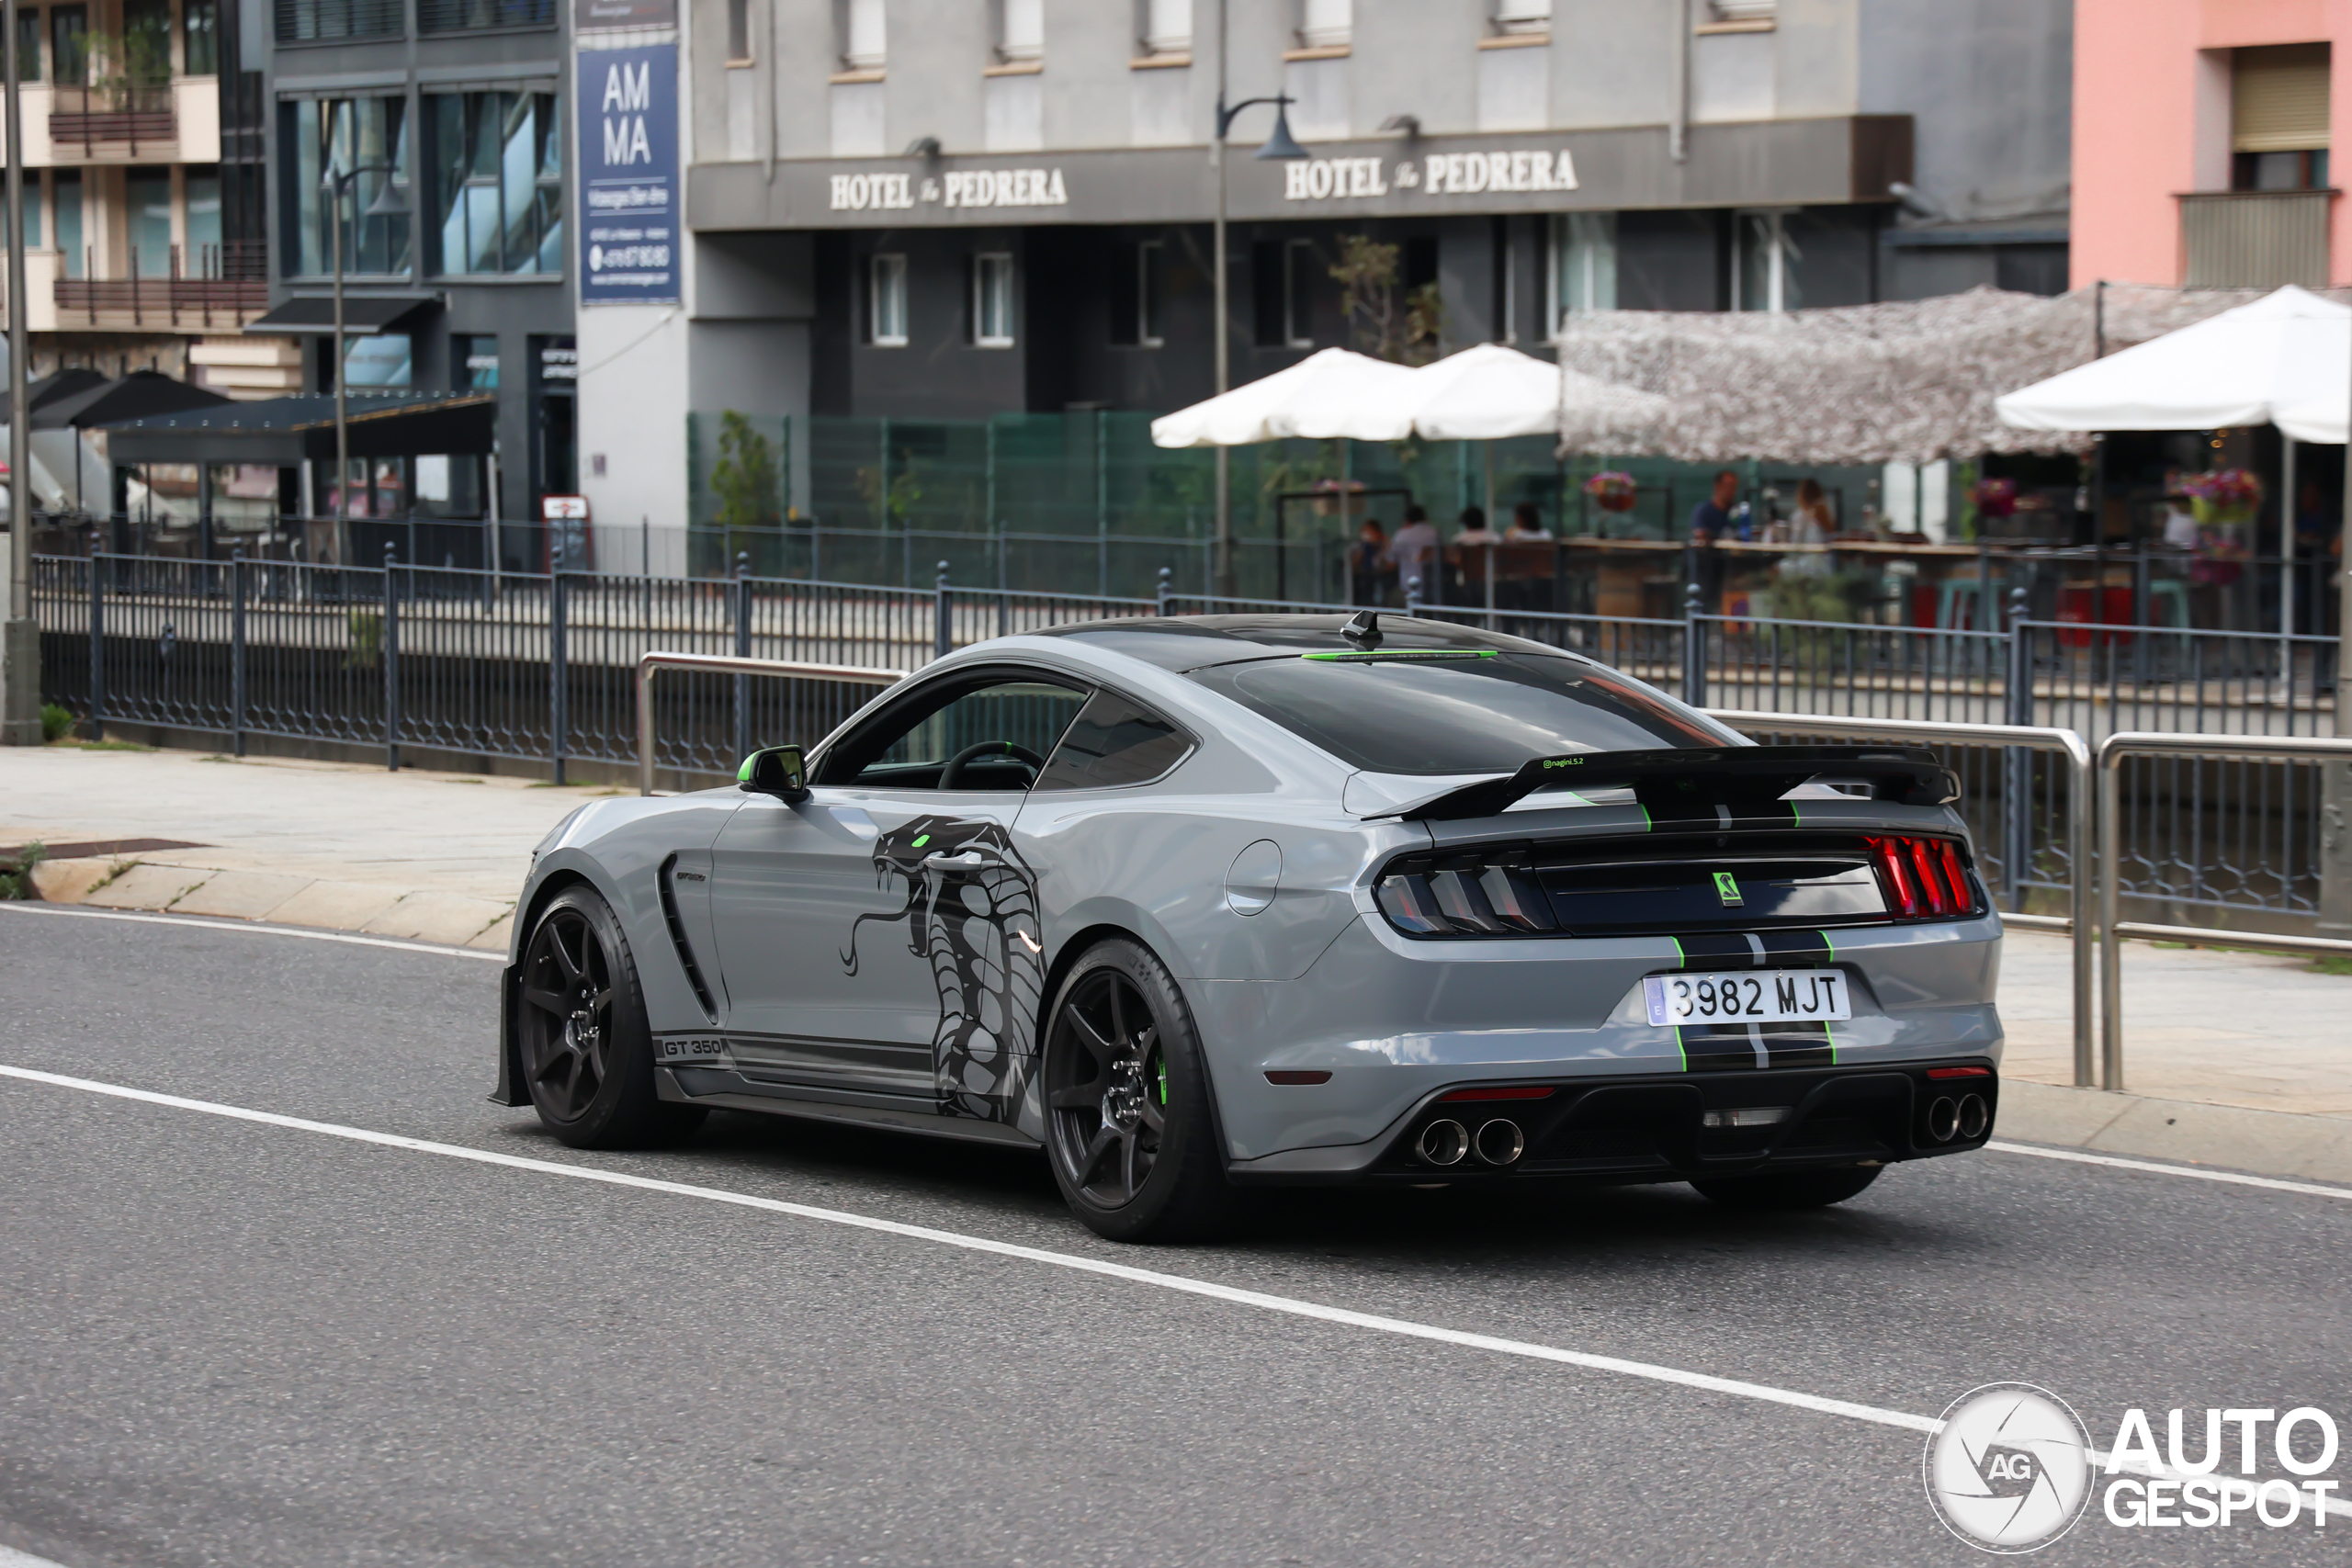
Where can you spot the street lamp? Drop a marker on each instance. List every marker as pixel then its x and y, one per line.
pixel 1280 146
pixel 385 206
pixel 19 638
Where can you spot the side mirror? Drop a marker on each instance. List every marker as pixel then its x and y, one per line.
pixel 775 769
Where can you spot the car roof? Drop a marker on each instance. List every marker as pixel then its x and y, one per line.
pixel 1184 643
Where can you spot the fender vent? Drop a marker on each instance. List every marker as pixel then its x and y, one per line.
pixel 678 938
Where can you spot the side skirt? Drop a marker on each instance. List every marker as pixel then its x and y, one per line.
pixel 732 1091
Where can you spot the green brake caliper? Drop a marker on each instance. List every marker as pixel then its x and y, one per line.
pixel 1163 1080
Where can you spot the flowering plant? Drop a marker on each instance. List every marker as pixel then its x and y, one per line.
pixel 1613 490
pixel 1996 498
pixel 2224 495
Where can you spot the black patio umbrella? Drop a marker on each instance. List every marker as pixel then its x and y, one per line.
pixel 49 388
pixel 139 395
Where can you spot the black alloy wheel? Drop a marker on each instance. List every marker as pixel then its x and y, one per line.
pixel 586 1051
pixel 1128 1127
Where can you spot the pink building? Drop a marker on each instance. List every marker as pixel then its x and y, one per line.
pixel 2201 136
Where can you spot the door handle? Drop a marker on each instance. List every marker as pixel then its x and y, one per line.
pixel 967 860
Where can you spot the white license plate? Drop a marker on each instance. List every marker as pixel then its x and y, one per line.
pixel 1771 995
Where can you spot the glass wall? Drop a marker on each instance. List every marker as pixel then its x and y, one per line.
pixel 341 135
pixel 497 183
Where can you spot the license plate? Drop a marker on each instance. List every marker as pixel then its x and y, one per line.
pixel 1775 996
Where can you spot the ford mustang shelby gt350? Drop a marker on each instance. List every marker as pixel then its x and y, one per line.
pixel 1195 902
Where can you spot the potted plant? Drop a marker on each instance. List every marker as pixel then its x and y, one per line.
pixel 1612 490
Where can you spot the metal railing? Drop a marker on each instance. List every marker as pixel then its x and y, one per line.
pixel 648 752
pixel 2063 742
pixel 2110 759
pixel 2246 239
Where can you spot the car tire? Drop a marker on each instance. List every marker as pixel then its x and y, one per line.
pixel 583 1042
pixel 1797 1190
pixel 1130 1131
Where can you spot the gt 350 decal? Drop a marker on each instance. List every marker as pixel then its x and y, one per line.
pixel 694 1048
pixel 971 910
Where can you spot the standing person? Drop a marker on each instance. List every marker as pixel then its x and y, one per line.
pixel 1370 569
pixel 1472 549
pixel 1710 522
pixel 1414 553
pixel 1812 526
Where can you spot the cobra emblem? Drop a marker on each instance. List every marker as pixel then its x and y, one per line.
pixel 971 913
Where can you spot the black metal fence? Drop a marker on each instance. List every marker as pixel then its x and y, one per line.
pixel 540 667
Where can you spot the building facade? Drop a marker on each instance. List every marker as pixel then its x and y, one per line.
pixel 956 209
pixel 425 140
pixel 144 244
pixel 2202 131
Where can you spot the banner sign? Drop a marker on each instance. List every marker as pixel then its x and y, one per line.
pixel 622 16
pixel 627 112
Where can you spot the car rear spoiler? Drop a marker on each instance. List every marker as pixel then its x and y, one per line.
pixel 1680 780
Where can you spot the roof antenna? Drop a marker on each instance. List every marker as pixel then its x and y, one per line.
pixel 1362 628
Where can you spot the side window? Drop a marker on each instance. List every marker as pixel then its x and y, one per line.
pixel 1114 742
pixel 994 736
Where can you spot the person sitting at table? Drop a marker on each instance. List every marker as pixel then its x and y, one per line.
pixel 1469 553
pixel 1812 524
pixel 1413 552
pixel 1710 522
pixel 1524 572
pixel 1371 570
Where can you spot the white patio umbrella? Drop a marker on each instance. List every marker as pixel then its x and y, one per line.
pixel 2278 361
pixel 1315 398
pixel 2281 361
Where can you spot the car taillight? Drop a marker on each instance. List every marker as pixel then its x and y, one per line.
pixel 1470 897
pixel 1923 878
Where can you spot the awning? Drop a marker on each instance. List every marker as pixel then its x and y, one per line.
pixel 362 313
pixel 141 394
pixel 285 430
pixel 47 389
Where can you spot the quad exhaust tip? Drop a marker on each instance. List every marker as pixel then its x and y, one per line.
pixel 1975 1116
pixel 1444 1142
pixel 1501 1142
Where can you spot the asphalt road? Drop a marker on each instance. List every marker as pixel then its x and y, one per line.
pixel 238 1343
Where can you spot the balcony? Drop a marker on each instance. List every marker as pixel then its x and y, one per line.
pixel 228 286
pixel 140 121
pixel 2256 239
pixel 171 122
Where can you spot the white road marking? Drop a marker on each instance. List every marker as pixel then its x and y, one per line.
pixel 2309 1189
pixel 10 1558
pixel 1287 1306
pixel 250 927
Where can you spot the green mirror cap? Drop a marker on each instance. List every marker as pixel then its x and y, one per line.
pixel 743 774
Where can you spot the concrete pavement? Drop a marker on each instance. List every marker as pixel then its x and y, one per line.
pixel 2233 1058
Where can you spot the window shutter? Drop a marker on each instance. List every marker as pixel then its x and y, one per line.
pixel 2278 98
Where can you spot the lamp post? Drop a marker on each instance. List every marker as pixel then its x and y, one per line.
pixel 1280 147
pixel 335 184
pixel 19 636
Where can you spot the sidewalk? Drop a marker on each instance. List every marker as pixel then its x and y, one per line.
pixel 431 857
pixel 2233 1058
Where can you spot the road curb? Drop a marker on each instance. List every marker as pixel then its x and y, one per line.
pixel 2264 1143
pixel 429 915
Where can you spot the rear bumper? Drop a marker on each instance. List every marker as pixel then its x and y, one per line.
pixel 1655 1127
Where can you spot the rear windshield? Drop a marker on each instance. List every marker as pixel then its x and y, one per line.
pixel 1460 713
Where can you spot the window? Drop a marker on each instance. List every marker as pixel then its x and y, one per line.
pixel 340 135
pixel 29 46
pixel 147 204
pixel 1762 278
pixel 1138 289
pixel 498 183
pixel 1326 24
pixel 885 301
pixel 1299 271
pixel 739 32
pixel 67 194
pixel 378 362
pixel 1519 17
pixel 32 209
pixel 308 21
pixel 864 37
pixel 1467 715
pixel 1746 13
pixel 473 363
pixel 201 36
pixel 1584 262
pixel 996 735
pixel 69 45
pixel 1113 743
pixel 2279 118
pixel 1167 26
pixel 992 301
pixel 201 186
pixel 1020 30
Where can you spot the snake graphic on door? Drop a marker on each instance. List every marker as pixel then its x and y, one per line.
pixel 971 913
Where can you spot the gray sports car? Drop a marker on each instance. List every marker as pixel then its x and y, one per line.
pixel 1199 903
